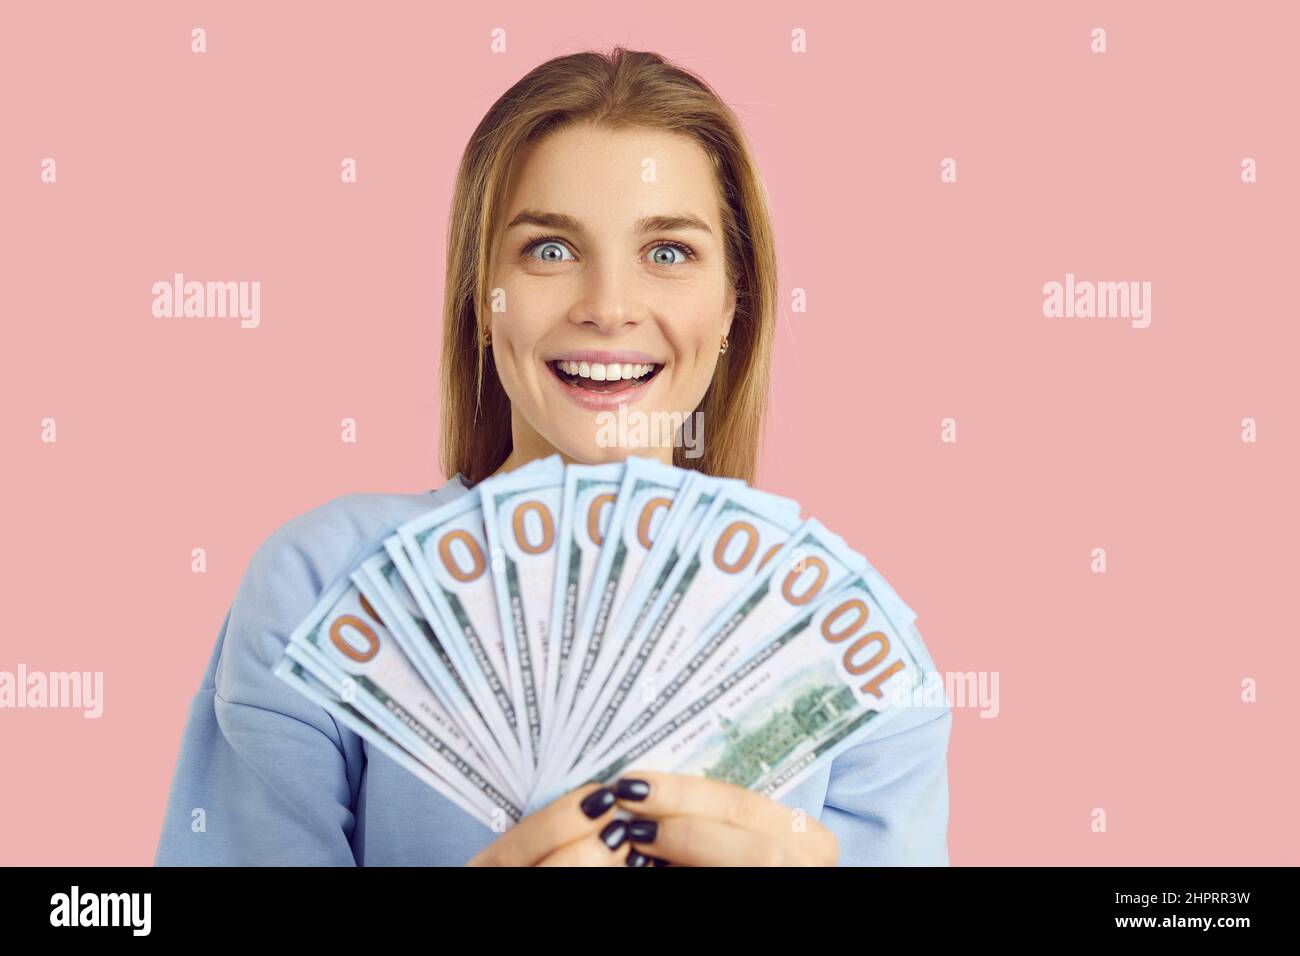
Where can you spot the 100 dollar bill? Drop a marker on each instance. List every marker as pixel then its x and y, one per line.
pixel 644 500
pixel 383 582
pixel 812 562
pixel 804 694
pixel 346 646
pixel 521 517
pixel 301 680
pixel 741 530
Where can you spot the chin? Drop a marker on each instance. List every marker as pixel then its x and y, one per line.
pixel 590 453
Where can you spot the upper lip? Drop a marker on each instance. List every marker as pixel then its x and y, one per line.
pixel 598 356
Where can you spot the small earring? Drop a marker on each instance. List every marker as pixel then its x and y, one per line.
pixel 487 339
pixel 723 350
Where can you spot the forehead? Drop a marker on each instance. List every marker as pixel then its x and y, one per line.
pixel 609 178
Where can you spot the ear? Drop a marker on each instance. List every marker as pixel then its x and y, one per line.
pixel 729 312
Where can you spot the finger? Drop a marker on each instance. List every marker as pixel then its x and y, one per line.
pixel 568 818
pixel 655 794
pixel 699 841
pixel 597 849
pixel 636 858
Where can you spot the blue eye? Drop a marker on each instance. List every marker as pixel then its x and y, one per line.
pixel 676 247
pixel 549 251
pixel 553 249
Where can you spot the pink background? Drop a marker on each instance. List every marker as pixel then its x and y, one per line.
pixel 1119 691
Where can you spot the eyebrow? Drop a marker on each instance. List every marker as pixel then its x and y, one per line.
pixel 558 220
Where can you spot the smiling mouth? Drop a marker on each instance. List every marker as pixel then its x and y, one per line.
pixel 604 379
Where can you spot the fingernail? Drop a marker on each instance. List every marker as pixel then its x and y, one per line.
pixel 631 789
pixel 637 859
pixel 614 834
pixel 597 802
pixel 659 862
pixel 643 831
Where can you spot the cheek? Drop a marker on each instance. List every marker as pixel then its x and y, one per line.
pixel 520 329
pixel 695 328
pixel 693 346
pixel 693 351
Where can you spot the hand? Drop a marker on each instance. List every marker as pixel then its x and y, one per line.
pixel 695 821
pixel 577 829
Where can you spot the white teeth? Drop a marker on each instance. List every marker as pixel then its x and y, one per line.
pixel 599 372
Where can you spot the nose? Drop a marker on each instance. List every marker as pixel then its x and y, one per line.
pixel 608 302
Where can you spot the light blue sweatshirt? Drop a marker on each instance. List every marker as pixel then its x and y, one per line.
pixel 266 777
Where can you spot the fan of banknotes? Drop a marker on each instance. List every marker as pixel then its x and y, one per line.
pixel 560 624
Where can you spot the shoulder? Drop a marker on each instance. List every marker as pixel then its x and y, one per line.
pixel 296 562
pixel 323 538
pixel 310 550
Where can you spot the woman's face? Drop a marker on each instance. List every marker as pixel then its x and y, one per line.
pixel 611 262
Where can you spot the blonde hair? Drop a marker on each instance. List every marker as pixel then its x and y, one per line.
pixel 624 88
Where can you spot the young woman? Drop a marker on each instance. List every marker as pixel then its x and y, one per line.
pixel 609 245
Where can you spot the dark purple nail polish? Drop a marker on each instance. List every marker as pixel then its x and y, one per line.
pixel 643 831
pixel 637 859
pixel 597 802
pixel 631 789
pixel 614 834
